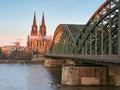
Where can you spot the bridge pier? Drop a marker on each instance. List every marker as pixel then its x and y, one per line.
pixel 84 75
pixel 57 62
pixel 54 62
pixel 114 76
pixel 69 61
pixel 38 58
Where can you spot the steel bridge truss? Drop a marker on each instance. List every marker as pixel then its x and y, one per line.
pixel 65 37
pixel 100 36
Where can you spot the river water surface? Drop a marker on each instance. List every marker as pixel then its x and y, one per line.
pixel 37 77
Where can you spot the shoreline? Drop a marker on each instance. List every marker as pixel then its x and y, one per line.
pixel 20 62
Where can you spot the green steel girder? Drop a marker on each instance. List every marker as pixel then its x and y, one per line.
pixel 100 36
pixel 119 28
pixel 92 28
pixel 67 42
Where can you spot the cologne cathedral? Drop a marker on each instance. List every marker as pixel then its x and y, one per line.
pixel 38 42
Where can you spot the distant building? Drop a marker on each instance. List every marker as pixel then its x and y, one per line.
pixel 37 41
pixel 8 50
pixel 0 52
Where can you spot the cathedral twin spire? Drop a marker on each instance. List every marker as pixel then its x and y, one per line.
pixel 34 20
pixel 42 31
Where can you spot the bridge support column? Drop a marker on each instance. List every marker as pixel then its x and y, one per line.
pixel 114 76
pixel 54 62
pixel 84 75
pixel 38 58
pixel 69 62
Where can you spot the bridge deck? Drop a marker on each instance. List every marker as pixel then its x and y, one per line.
pixel 106 60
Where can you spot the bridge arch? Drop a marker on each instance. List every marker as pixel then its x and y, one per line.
pixel 65 36
pixel 101 35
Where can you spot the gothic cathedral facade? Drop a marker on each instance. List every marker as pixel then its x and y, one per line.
pixel 38 42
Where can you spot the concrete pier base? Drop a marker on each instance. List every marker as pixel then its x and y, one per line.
pixel 53 62
pixel 38 58
pixel 69 61
pixel 84 75
pixel 114 76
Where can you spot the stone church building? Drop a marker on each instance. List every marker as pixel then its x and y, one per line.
pixel 38 42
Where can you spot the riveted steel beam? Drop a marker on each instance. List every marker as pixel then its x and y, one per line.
pixel 119 29
pixel 96 40
pixel 110 34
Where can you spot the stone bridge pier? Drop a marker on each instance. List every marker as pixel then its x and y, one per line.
pixel 114 76
pixel 53 62
pixel 90 75
pixel 57 62
pixel 85 74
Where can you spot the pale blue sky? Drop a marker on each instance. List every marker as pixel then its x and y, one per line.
pixel 16 16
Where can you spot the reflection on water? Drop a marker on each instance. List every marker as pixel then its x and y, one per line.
pixel 37 77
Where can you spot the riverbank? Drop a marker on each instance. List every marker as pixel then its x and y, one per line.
pixel 20 62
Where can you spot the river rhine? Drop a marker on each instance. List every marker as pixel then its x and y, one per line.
pixel 37 77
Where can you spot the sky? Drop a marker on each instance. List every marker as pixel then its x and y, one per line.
pixel 16 16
